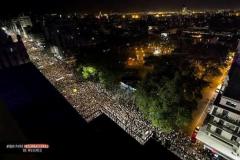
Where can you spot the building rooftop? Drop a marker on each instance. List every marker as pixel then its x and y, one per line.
pixel 38 113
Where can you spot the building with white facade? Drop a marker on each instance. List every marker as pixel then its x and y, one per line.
pixel 221 133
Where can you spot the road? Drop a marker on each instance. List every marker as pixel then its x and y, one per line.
pixel 209 94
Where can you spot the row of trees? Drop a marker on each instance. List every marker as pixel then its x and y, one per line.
pixel 170 94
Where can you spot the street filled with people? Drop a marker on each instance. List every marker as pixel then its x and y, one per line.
pixel 88 98
pixel 181 145
pixel 92 99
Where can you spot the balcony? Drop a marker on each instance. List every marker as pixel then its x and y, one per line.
pixel 229 142
pixel 225 128
pixel 226 118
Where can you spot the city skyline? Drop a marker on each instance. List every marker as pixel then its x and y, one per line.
pixel 91 6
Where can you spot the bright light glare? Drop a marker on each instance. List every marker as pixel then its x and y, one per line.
pixel 4 28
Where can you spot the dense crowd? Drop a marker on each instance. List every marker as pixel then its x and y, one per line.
pixel 91 99
pixel 181 145
pixel 88 98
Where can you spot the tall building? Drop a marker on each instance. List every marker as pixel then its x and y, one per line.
pixel 221 133
pixel 185 10
pixel 20 25
pixel 12 53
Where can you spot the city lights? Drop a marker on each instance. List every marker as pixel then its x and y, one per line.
pixel 165 77
pixel 135 16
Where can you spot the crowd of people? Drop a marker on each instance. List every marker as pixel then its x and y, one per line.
pixel 181 145
pixel 88 98
pixel 91 99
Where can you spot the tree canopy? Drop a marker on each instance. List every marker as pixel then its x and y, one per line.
pixel 168 96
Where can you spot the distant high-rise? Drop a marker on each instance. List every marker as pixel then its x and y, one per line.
pixel 185 10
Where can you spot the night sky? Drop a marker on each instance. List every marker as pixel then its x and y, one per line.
pixel 111 5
